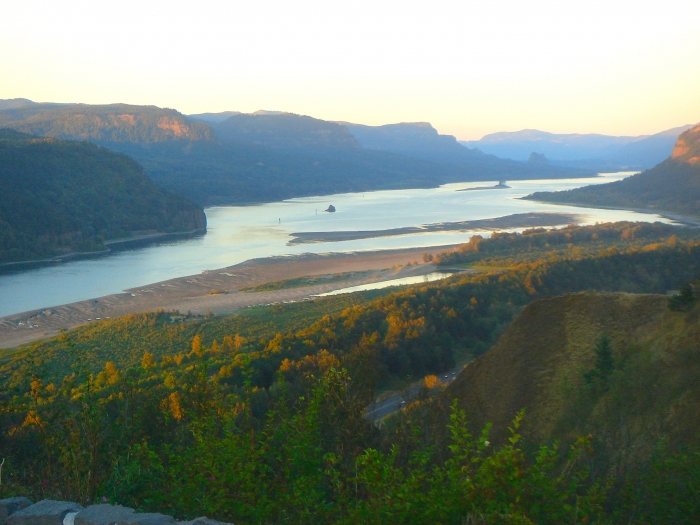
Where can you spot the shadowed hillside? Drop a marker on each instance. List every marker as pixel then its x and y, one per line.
pixel 420 140
pixel 673 185
pixel 62 196
pixel 230 158
pixel 543 354
pixel 286 131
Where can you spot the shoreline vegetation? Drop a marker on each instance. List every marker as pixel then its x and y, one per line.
pixel 227 290
pixel 517 220
pixel 687 220
pixel 140 240
pixel 194 292
pixel 223 291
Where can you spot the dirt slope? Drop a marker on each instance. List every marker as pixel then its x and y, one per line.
pixel 539 365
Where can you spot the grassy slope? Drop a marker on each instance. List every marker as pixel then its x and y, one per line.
pixel 539 365
pixel 124 340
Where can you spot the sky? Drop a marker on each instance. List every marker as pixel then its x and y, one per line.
pixel 468 67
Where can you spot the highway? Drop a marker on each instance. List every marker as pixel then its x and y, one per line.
pixel 381 409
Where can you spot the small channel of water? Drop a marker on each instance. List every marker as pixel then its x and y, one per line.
pixel 416 279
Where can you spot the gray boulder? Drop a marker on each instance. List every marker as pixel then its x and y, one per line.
pixel 46 512
pixel 118 515
pixel 152 518
pixel 102 515
pixel 203 521
pixel 11 505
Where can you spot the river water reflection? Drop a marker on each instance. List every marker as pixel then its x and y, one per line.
pixel 239 233
pixel 415 279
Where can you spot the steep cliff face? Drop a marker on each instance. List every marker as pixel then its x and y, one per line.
pixel 116 123
pixel 687 148
pixel 672 186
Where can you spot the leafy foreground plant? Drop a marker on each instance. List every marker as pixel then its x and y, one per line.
pixel 304 467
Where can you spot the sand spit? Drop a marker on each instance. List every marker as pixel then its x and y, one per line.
pixel 218 291
pixel 518 220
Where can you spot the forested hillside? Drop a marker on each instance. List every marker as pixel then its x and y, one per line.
pixel 261 157
pixel 261 421
pixel 61 196
pixel 672 186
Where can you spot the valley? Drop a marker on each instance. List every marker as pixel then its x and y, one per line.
pixel 222 291
pixel 349 263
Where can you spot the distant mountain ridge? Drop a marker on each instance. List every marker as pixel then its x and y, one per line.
pixel 116 123
pixel 63 196
pixel 672 186
pixel 214 117
pixel 15 103
pixel 285 131
pixel 582 150
pixel 413 139
pixel 231 157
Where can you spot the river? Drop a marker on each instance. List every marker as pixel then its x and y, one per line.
pixel 239 233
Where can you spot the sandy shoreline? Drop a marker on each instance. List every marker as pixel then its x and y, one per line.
pixel 218 291
pixel 518 220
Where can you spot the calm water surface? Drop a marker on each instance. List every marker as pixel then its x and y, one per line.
pixel 239 233
pixel 416 279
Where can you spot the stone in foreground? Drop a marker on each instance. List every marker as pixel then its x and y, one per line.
pixel 11 505
pixel 203 521
pixel 46 512
pixel 148 519
pixel 103 515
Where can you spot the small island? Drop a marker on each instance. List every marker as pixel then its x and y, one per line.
pixel 330 209
pixel 500 186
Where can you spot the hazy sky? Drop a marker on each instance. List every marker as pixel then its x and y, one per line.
pixel 469 67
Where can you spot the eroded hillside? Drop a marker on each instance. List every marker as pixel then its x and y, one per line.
pixel 549 363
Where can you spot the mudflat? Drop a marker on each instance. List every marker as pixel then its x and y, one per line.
pixel 517 220
pixel 220 291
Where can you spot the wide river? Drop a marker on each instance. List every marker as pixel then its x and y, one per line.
pixel 239 233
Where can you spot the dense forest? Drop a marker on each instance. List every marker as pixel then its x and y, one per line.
pixel 61 196
pixel 260 418
pixel 264 157
pixel 672 186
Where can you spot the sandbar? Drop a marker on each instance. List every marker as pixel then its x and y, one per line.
pixel 517 220
pixel 219 291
